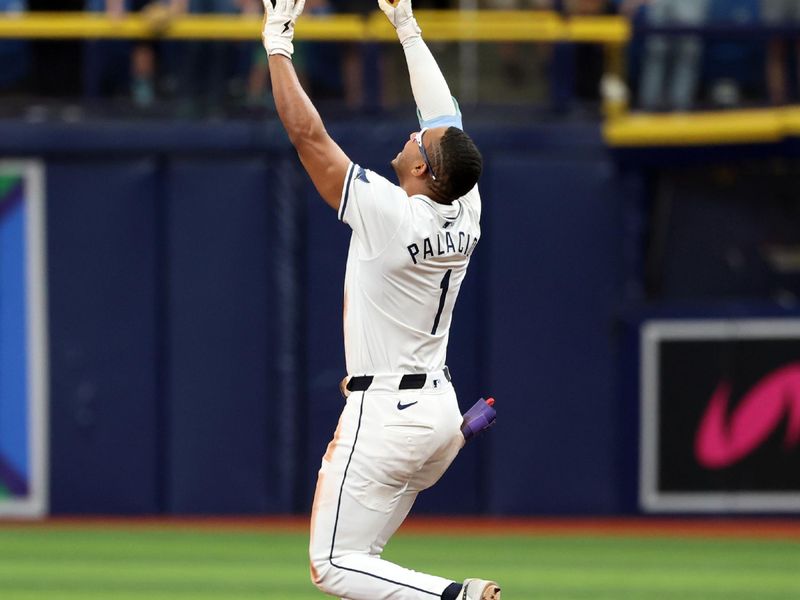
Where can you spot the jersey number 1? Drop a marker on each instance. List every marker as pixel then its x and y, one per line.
pixel 445 285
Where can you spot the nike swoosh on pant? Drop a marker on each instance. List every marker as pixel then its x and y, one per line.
pixel 401 406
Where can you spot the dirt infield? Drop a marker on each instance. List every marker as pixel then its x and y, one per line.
pixel 640 526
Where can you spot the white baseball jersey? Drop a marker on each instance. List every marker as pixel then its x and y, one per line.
pixel 406 262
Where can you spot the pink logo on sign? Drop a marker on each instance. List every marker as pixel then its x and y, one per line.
pixel 724 440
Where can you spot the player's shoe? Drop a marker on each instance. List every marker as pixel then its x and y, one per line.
pixel 479 589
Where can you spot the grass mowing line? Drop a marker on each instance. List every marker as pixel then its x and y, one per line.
pixel 625 567
pixel 13 593
pixel 132 564
pixel 455 526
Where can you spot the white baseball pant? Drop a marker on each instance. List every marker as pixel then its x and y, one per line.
pixel 389 445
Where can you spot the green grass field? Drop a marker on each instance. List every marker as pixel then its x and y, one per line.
pixel 127 562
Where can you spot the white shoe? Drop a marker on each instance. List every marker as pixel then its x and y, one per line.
pixel 480 589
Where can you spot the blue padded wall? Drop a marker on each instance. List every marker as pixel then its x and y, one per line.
pixel 323 284
pixel 222 411
pixel 196 320
pixel 102 246
pixel 553 239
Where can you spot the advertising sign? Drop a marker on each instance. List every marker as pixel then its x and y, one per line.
pixel 720 416
pixel 23 341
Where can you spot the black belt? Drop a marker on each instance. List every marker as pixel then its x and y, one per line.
pixel 414 381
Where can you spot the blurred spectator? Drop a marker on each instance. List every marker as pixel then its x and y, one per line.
pixel 256 95
pixel 347 74
pixel 672 64
pixel 512 55
pixel 206 65
pixel 14 60
pixel 519 4
pixel 630 8
pixel 733 66
pixel 589 58
pixel 586 7
pixel 327 70
pixel 334 71
pixel 143 55
pixel 778 13
pixel 107 68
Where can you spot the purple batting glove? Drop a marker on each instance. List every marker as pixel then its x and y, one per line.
pixel 478 418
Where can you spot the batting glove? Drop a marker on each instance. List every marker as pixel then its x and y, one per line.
pixel 400 15
pixel 279 20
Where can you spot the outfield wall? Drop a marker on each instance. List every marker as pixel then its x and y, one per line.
pixel 195 284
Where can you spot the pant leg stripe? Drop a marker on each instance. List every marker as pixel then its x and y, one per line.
pixel 339 506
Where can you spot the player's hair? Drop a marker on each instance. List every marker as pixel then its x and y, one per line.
pixel 457 164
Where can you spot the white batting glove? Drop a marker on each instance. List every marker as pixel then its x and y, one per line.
pixel 400 15
pixel 279 20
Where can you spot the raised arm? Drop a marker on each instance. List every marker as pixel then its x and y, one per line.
pixel 435 104
pixel 322 158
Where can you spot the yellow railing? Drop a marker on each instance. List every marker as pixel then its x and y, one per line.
pixel 482 26
pixel 753 126
pixel 624 130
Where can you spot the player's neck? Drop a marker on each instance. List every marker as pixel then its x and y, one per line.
pixel 420 188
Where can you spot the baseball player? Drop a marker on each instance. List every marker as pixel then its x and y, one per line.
pixel 410 247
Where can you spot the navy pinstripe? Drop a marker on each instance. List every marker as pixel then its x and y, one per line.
pixel 347 181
